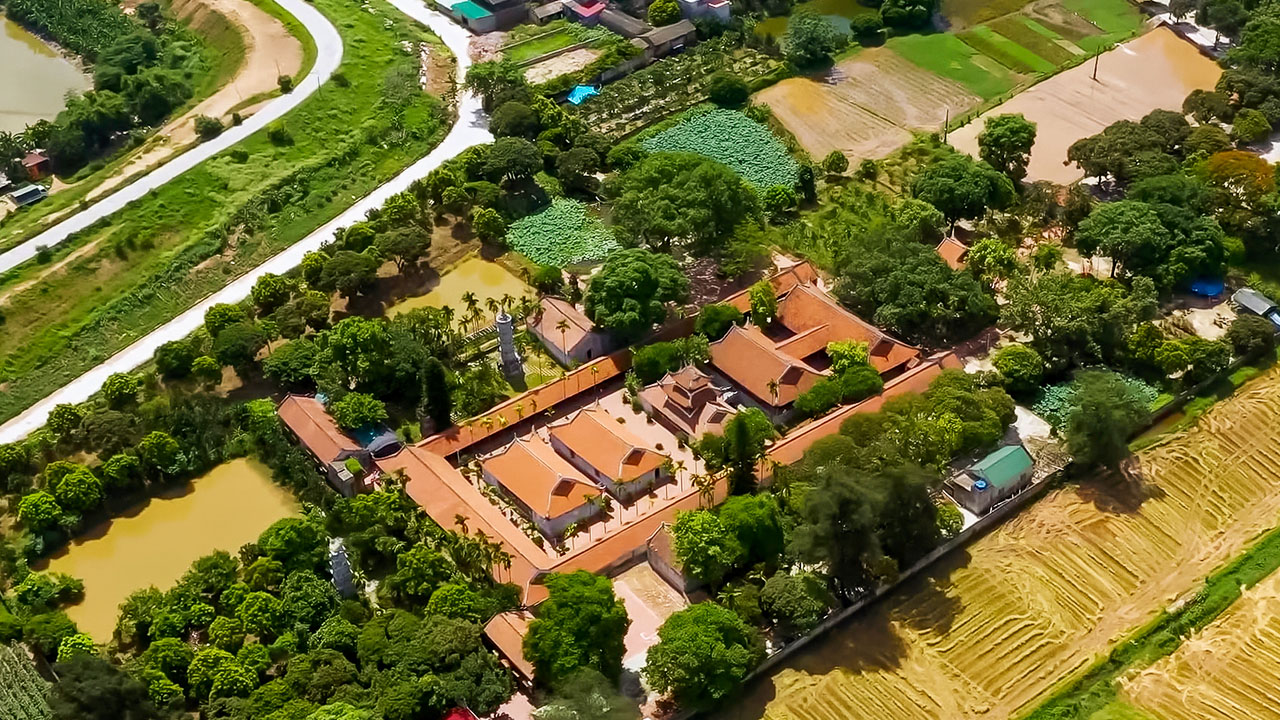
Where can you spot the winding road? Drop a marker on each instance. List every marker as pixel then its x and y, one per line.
pixel 328 57
pixel 471 128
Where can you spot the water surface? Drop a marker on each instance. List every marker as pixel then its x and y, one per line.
pixel 155 542
pixel 34 80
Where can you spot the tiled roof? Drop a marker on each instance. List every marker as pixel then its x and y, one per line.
pixel 315 428
pixel 506 631
pixel 817 318
pixel 545 482
pixel 952 252
pixel 552 311
pixel 688 399
pixel 606 445
pixel 751 360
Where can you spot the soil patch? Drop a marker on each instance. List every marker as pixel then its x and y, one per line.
pixel 1157 70
pixel 571 61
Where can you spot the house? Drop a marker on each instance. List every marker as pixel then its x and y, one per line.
pixel 1251 300
pixel 993 479
pixel 625 25
pixel 543 14
pixel 586 12
pixel 568 335
pixel 777 363
pixel 953 252
pixel 660 552
pixel 546 488
pixel 687 403
pixel 506 633
pixel 667 39
pixel 594 442
pixel 28 194
pixel 37 164
pixel 715 9
pixel 344 458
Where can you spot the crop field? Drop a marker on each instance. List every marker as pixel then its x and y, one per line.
pixel 1157 70
pixel 23 693
pixel 744 145
pixel 563 234
pixel 867 106
pixel 526 50
pixel 1231 669
pixel 994 626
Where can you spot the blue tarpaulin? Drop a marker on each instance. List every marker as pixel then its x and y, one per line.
pixel 579 94
pixel 1207 287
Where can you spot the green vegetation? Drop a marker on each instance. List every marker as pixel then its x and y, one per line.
pixel 1034 37
pixel 948 56
pixel 1116 19
pixel 1005 51
pixel 523 50
pixel 24 695
pixel 86 27
pixel 729 137
pixel 163 253
pixel 564 233
pixel 1095 688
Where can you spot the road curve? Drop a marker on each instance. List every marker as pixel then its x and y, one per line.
pixel 471 128
pixel 328 57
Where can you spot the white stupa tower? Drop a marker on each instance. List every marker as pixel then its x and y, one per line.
pixel 511 363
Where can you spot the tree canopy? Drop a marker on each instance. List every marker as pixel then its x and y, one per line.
pixel 581 624
pixel 629 294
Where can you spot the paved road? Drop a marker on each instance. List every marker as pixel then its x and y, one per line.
pixel 472 128
pixel 328 56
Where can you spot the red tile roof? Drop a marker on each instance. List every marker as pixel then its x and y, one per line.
pixel 506 631
pixel 606 445
pixel 688 400
pixel 953 252
pixel 545 482
pixel 751 360
pixel 552 311
pixel 315 428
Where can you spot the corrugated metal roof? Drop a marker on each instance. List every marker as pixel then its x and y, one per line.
pixel 1002 467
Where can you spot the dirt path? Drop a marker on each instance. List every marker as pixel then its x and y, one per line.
pixel 270 51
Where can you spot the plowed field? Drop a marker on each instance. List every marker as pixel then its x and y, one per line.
pixel 866 106
pixel 995 625
pixel 1230 670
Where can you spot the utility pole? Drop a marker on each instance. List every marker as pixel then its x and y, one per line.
pixel 1096 58
pixel 946 124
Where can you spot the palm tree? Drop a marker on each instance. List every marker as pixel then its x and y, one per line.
pixel 471 301
pixel 493 306
pixel 679 467
pixel 595 372
pixel 508 302
pixel 563 327
pixel 706 486
pixel 773 390
pixel 461 521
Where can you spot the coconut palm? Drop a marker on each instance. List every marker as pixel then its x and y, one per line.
pixel 773 390
pixel 563 327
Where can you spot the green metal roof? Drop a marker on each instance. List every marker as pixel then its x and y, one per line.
pixel 1003 466
pixel 470 10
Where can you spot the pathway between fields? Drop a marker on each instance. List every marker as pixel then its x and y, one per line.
pixel 471 128
pixel 328 57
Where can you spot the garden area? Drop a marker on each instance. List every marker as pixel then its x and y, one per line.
pixel 566 233
pixel 671 85
pixel 734 140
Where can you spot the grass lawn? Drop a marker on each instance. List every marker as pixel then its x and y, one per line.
pixel 539 45
pixel 1117 19
pixel 948 56
pixel 1005 51
pixel 1034 37
pixel 163 253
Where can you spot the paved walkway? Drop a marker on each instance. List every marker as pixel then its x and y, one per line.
pixel 328 57
pixel 472 128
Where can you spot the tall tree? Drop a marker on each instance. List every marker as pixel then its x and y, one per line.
pixel 1104 413
pixel 1005 144
pixel 581 624
pixel 702 655
pixel 629 294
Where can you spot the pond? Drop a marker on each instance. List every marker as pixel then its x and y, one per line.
pixel 837 12
pixel 36 78
pixel 155 542
pixel 485 279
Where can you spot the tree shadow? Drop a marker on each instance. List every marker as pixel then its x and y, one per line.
pixel 1120 492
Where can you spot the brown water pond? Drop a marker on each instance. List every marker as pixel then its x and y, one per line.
pixel 155 542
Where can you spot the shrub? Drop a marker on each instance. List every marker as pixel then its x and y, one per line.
pixel 278 134
pixel 715 320
pixel 207 127
pixel 727 90
pixel 1021 366
pixel 1251 334
pixel 835 162
pixel 663 12
pixel 285 82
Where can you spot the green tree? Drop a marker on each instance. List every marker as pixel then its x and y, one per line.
pixel 297 543
pixel 226 633
pixel 1250 126
pixel 39 511
pixel 764 303
pixel 206 369
pixel 1104 413
pixel 160 452
pixel 65 419
pixel 1021 367
pixel 1005 144
pixel 495 80
pixel 122 471
pixel 514 119
pixel 702 655
pixel 79 491
pixel 740 449
pixel 512 158
pixel 587 694
pixel 670 198
pixel 756 522
pixel 488 225
pixel 961 188
pixel 1120 230
pixel 270 292
pixel 1250 334
pixel 349 273
pixel 238 345
pixel 121 389
pixel 581 624
pixel 714 320
pixel 170 656
pixel 90 688
pixel 293 364
pixel 356 410
pixel 221 316
pixel 835 163
pixel 437 394
pixel 262 614
pixel 723 87
pixel 796 603
pixel 706 550
pixel 811 39
pixel 628 296
pixel 663 12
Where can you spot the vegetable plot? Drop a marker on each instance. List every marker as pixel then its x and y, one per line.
pixel 563 234
pixel 23 693
pixel 729 137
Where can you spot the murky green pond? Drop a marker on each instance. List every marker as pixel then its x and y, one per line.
pixel 35 79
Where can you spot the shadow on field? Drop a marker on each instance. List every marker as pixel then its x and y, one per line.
pixel 1122 492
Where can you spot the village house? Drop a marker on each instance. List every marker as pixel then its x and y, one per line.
pixel 992 480
pixel 567 334
pixel 37 164
pixel 715 9
pixel 345 460
pixel 605 451
pixel 778 363
pixel 549 491
pixel 687 403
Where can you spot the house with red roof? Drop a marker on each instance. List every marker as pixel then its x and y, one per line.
pixel 548 490
pixel 604 450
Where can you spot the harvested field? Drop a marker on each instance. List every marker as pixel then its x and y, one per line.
pixel 1230 670
pixel 571 61
pixel 1157 70
pixel 866 106
pixel 992 627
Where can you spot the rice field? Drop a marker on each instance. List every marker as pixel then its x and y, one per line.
pixel 1230 670
pixel 997 624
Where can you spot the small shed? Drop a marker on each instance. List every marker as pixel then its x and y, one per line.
pixel 546 13
pixel 1251 300
pixel 993 479
pixel 37 164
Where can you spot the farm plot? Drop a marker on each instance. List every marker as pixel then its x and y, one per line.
pixel 1230 670
pixel 563 234
pixel 867 106
pixel 1157 70
pixel 995 625
pixel 23 693
pixel 729 137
